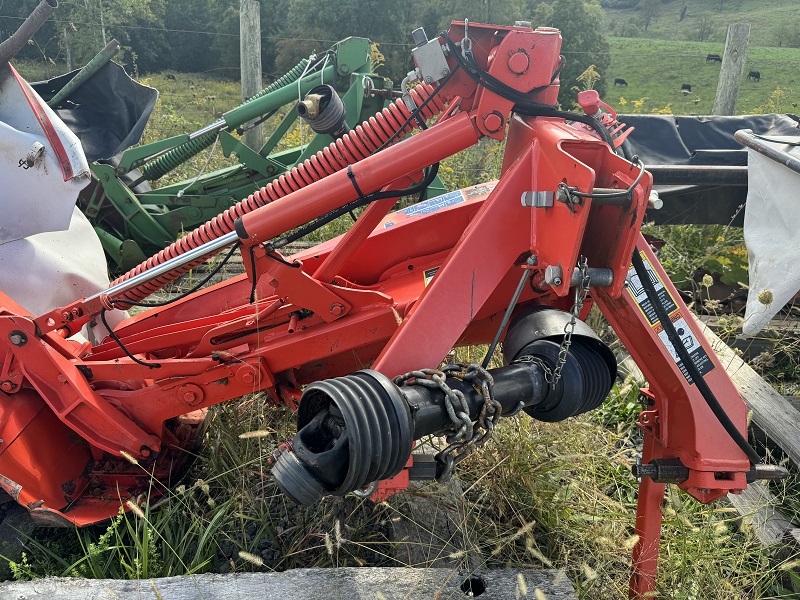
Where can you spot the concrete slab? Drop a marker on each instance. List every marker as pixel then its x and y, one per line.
pixel 308 584
pixel 430 530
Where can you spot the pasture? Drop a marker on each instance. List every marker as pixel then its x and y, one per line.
pixel 655 70
pixel 772 22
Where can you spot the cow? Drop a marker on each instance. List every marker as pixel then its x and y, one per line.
pixel 686 87
pixel 170 76
pixel 713 58
pixel 754 75
pixel 620 82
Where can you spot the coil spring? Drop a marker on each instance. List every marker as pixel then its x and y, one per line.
pixel 349 149
pixel 180 154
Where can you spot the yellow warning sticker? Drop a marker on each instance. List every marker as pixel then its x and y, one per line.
pixel 428 274
pixel 688 338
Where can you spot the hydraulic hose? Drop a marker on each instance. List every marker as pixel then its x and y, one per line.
pixel 168 161
pixel 392 122
pixel 683 354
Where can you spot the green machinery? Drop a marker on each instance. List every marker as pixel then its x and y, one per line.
pixel 134 221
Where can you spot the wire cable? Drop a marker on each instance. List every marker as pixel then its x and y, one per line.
pixel 127 352
pixel 523 105
pixel 430 175
pixel 620 194
pixel 417 114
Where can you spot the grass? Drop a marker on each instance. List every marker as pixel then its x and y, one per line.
pixel 679 62
pixel 537 496
pixel 771 21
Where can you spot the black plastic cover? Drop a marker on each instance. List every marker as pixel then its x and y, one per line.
pixel 108 112
pixel 699 140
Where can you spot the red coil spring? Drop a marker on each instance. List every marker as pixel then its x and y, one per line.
pixel 351 148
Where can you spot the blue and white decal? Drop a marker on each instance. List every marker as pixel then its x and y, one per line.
pixel 434 204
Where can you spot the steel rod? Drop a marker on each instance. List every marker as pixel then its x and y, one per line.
pixel 201 251
pixel 89 69
pixel 762 146
pixel 698 174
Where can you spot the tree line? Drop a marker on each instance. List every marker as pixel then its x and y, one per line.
pixel 202 35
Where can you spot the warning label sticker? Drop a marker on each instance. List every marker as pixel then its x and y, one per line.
pixel 693 347
pixel 696 352
pixel 428 274
pixel 636 290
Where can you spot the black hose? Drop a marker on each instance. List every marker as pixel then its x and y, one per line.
pixel 195 288
pixel 542 110
pixel 523 105
pixel 683 354
pixel 626 193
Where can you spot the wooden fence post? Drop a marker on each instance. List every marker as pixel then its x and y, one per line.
pixel 730 75
pixel 250 60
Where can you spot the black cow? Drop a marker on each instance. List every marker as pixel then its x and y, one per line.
pixel 754 75
pixel 620 82
pixel 713 58
pixel 170 76
pixel 686 87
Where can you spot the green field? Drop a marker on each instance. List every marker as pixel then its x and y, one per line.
pixel 655 70
pixel 773 22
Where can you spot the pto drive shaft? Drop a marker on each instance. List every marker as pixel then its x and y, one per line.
pixel 358 429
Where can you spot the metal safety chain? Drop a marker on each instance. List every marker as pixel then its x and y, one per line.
pixel 553 376
pixel 465 436
pixel 581 292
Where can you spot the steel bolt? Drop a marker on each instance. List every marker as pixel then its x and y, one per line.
pixel 248 378
pixel 553 275
pixel 189 397
pixel 337 309
pixel 7 386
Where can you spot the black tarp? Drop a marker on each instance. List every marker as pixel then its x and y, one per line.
pixel 108 112
pixel 694 141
